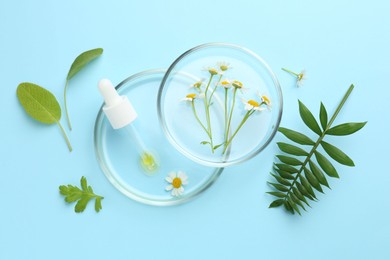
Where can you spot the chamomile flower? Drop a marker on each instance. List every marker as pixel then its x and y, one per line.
pixel 265 100
pixel 238 85
pixel 197 85
pixel 176 182
pixel 252 105
pixel 302 76
pixel 226 83
pixel 213 71
pixel 224 66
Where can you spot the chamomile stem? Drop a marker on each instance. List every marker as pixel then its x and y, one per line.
pixel 230 118
pixel 216 85
pixel 289 71
pixel 206 106
pixel 66 106
pixel 65 136
pixel 197 118
pixel 247 115
pixel 226 112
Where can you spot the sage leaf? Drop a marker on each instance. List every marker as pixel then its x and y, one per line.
pixel 346 129
pixel 323 117
pixel 41 105
pixel 309 119
pixel 326 165
pixel 337 154
pixel 296 136
pixel 80 62
pixel 291 149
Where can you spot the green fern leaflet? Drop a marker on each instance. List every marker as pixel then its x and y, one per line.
pixel 302 169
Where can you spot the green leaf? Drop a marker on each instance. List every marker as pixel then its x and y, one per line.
pixel 326 165
pixel 276 203
pixel 82 60
pixel 307 186
pixel 217 146
pixel 346 129
pixel 312 180
pixel 323 116
pixel 304 191
pixel 291 149
pixel 286 168
pixel 337 154
pixel 281 180
pixel 279 187
pixel 289 160
pixel 293 205
pixel 277 194
pixel 318 173
pixel 41 105
pixel 288 207
pixel 309 119
pixel 297 201
pixel 284 174
pixel 300 195
pixel 205 142
pixel 73 193
pixel 296 136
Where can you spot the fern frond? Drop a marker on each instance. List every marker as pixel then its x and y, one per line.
pixel 300 171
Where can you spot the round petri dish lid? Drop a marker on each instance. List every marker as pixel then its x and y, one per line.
pixel 191 135
pixel 119 158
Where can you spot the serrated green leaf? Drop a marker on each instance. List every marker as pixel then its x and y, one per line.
pixel 318 173
pixel 63 189
pixel 307 186
pixel 281 180
pixel 308 118
pixel 293 205
pixel 346 129
pixel 98 204
pixel 286 168
pixel 312 180
pixel 337 154
pixel 291 149
pixel 81 204
pixel 83 183
pixel 284 174
pixel 279 187
pixel 296 136
pixel 82 60
pixel 73 197
pixel 289 160
pixel 326 165
pixel 277 194
pixel 323 116
pixel 276 203
pixel 288 207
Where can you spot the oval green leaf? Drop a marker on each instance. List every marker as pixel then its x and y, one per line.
pixel 291 149
pixel 289 160
pixel 286 168
pixel 346 129
pixel 318 173
pixel 326 165
pixel 309 119
pixel 82 60
pixel 39 103
pixel 307 186
pixel 277 194
pixel 279 187
pixel 281 180
pixel 312 180
pixel 276 203
pixel 284 174
pixel 337 154
pixel 296 136
pixel 323 116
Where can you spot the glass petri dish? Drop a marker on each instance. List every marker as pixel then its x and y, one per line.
pixel 119 158
pixel 183 129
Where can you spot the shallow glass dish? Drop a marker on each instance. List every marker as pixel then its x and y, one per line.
pixel 184 131
pixel 119 160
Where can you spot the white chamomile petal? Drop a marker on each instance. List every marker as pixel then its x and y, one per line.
pixel 168 179
pixel 184 182
pixel 168 187
pixel 248 106
pixel 172 175
pixel 181 190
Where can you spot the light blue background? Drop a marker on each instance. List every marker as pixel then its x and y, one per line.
pixel 338 42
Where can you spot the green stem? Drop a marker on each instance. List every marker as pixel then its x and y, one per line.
pixel 66 106
pixel 65 136
pixel 206 107
pixel 247 115
pixel 216 85
pixel 289 71
pixel 226 112
pixel 312 151
pixel 197 118
pixel 230 118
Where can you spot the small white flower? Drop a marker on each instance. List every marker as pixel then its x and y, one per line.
pixel 252 105
pixel 197 85
pixel 300 76
pixel 213 71
pixel 176 182
pixel 238 85
pixel 224 66
pixel 265 100
pixel 226 83
pixel 189 97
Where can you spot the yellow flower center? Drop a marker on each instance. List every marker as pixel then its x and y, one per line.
pixel 192 95
pixel 237 84
pixel 253 103
pixel 197 84
pixel 176 183
pixel 224 67
pixel 213 71
pixel 225 82
pixel 300 76
pixel 266 100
